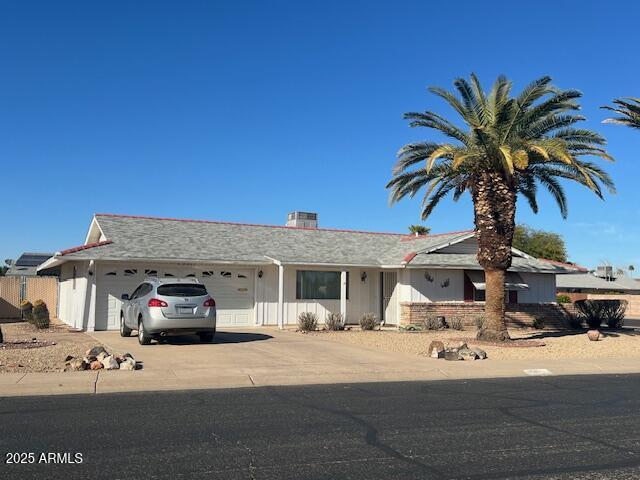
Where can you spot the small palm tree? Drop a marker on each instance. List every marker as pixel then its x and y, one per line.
pixel 419 229
pixel 509 146
pixel 628 110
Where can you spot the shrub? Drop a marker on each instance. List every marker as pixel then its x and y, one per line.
pixel 597 311
pixel 563 299
pixel 479 322
pixel 368 321
pixel 456 323
pixel 40 314
pixel 433 322
pixel 575 322
pixel 26 308
pixel 334 321
pixel 538 323
pixel 307 321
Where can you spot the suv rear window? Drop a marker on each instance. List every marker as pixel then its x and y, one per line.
pixel 182 290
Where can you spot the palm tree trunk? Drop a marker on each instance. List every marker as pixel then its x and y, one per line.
pixel 494 202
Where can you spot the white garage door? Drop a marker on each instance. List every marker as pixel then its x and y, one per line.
pixel 111 283
pixel 232 290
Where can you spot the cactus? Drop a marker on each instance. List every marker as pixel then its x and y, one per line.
pixel 40 314
pixel 27 310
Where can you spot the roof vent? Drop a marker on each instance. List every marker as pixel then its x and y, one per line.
pixel 605 271
pixel 302 219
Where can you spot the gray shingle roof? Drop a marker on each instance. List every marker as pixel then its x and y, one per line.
pixel 588 281
pixel 204 241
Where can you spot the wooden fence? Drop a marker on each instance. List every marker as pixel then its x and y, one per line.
pixel 15 289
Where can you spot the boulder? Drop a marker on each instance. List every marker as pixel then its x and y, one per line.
pixel 456 346
pixel 451 355
pixel 436 349
pixel 128 355
pixel 467 354
pixel 95 351
pixel 96 365
pixel 481 354
pixel 128 363
pixel 102 355
pixel 110 363
pixel 75 364
pixel 69 357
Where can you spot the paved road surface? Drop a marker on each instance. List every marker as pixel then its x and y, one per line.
pixel 545 427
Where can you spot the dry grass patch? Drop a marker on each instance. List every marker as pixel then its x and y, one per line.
pixel 566 344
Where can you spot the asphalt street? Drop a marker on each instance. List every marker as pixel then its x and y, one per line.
pixel 543 427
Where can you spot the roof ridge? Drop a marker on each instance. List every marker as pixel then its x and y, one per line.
pixel 87 246
pixel 220 222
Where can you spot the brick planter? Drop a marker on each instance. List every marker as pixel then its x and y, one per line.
pixel 518 314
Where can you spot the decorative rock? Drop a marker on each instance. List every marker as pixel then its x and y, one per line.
pixel 467 354
pixel 128 363
pixel 481 354
pixel 95 351
pixel 127 355
pixel 110 363
pixel 101 356
pixel 594 335
pixel 456 346
pixel 75 364
pixel 69 357
pixel 96 365
pixel 436 349
pixel 451 355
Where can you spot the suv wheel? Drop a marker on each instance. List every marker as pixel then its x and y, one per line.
pixel 143 338
pixel 124 330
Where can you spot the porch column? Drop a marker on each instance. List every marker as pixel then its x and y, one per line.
pixel 280 296
pixel 343 295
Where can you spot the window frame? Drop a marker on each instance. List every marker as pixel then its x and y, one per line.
pixel 299 292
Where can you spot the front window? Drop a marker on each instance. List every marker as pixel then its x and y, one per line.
pixel 318 285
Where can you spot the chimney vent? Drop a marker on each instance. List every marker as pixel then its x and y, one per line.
pixel 302 219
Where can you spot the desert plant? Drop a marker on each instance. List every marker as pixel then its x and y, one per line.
pixel 307 321
pixel 26 308
pixel 595 312
pixel 563 299
pixel 334 321
pixel 433 322
pixel 538 323
pixel 368 321
pixel 479 322
pixel 40 314
pixel 456 323
pixel 575 322
pixel 508 147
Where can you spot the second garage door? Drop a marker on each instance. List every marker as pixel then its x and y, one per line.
pixel 233 293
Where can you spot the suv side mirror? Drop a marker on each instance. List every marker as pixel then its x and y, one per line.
pixel 124 296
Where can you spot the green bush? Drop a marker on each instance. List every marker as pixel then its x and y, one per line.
pixel 334 322
pixel 368 321
pixel 563 299
pixel 595 312
pixel 27 310
pixel 307 321
pixel 456 323
pixel 40 314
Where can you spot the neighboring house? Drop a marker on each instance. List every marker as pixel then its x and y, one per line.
pixel 27 264
pixel 603 279
pixel 267 275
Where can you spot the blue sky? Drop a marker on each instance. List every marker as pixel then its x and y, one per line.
pixel 244 111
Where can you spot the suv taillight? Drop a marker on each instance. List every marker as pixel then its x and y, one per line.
pixel 156 302
pixel 210 303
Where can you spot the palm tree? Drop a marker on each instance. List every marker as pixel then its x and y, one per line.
pixel 419 229
pixel 509 146
pixel 629 111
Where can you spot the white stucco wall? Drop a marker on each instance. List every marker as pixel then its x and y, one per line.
pixel 542 288
pixel 76 301
pixel 363 296
pixel 441 286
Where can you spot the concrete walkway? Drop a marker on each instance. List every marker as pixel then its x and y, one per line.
pixel 263 357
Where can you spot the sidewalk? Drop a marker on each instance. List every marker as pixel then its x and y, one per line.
pixel 258 358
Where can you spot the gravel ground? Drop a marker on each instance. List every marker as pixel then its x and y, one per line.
pixel 43 359
pixel 558 344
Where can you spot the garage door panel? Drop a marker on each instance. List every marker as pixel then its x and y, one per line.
pixel 233 292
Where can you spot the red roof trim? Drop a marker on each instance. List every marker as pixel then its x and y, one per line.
pixel 145 217
pixel 564 264
pixel 409 256
pixel 85 247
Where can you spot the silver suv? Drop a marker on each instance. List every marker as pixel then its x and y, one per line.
pixel 160 307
